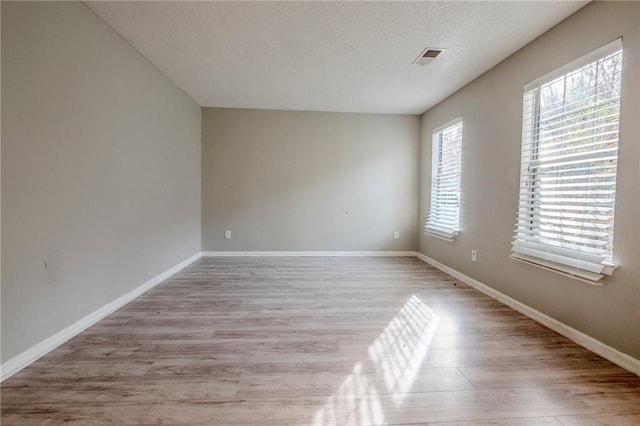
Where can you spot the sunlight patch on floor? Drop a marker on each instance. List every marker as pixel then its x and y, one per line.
pixel 394 358
pixel 402 346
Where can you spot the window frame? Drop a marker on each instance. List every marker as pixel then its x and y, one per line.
pixel 436 153
pixel 576 271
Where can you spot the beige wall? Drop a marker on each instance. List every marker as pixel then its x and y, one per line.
pixel 100 170
pixel 285 180
pixel 492 111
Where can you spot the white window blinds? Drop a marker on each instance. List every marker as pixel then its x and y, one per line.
pixel 568 169
pixel 444 213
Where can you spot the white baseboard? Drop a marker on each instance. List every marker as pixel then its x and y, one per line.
pixel 17 363
pixel 615 356
pixel 308 253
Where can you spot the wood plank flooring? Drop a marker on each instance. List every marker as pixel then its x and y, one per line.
pixel 319 341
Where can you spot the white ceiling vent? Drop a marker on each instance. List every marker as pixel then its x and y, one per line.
pixel 427 56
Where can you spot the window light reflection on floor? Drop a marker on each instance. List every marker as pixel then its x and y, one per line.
pixel 402 346
pixel 394 361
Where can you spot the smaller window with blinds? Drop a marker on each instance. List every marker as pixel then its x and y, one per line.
pixel 444 212
pixel 568 167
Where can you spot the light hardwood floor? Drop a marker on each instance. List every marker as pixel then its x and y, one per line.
pixel 319 341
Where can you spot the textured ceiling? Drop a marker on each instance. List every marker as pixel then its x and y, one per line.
pixel 327 56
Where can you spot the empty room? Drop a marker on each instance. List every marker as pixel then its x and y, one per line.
pixel 320 213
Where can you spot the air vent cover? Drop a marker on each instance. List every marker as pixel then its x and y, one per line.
pixel 427 56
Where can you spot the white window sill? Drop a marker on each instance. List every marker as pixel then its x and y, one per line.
pixel 584 276
pixel 440 235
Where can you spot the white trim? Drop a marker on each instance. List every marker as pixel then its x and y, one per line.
pixel 20 361
pixel 615 356
pixel 433 233
pixel 308 254
pixel 574 274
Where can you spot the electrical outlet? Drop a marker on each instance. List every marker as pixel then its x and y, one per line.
pixel 396 235
pixel 474 255
pixel 227 235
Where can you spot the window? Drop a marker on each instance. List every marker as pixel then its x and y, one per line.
pixel 568 170
pixel 444 213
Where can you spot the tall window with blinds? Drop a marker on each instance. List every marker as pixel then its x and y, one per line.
pixel 444 212
pixel 568 168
